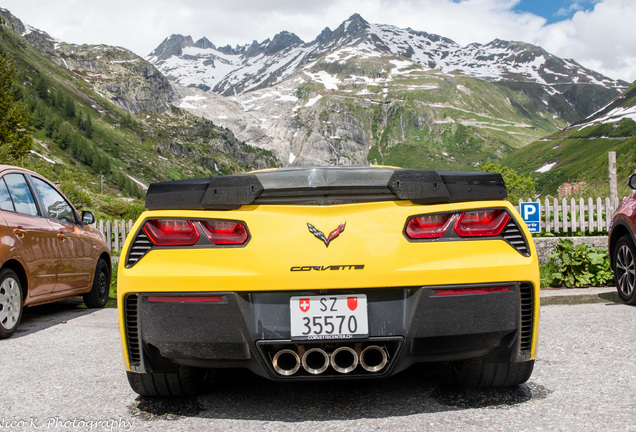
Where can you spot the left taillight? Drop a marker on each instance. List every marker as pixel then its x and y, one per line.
pixel 185 232
pixel 428 226
pixel 171 232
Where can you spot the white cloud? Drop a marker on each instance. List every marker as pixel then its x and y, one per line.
pixel 602 39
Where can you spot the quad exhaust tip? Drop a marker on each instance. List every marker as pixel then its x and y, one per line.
pixel 344 360
pixel 315 361
pixel 373 358
pixel 286 362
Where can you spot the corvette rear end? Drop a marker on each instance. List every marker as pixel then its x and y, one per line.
pixel 328 273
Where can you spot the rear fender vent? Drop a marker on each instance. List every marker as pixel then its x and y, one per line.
pixel 526 319
pixel 131 323
pixel 514 236
pixel 139 247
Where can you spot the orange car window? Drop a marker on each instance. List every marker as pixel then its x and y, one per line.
pixel 56 206
pixel 21 194
pixel 5 198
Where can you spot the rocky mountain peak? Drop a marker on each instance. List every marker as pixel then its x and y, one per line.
pixel 351 31
pixel 172 46
pixel 7 19
pixel 282 41
pixel 324 35
pixel 39 39
pixel 204 43
pixel 262 64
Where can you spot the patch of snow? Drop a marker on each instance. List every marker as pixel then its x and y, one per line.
pixel 43 157
pixel 313 100
pixel 287 98
pixel 545 168
pixel 329 81
pixel 616 115
pixel 139 182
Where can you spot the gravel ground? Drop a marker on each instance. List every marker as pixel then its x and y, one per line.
pixel 63 371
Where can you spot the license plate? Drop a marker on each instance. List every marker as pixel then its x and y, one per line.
pixel 329 317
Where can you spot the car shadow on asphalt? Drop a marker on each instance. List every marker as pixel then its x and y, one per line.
pixel 240 395
pixel 37 318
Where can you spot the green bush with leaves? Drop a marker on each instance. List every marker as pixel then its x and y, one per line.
pixel 112 292
pixel 519 186
pixel 576 266
pixel 123 209
pixel 15 130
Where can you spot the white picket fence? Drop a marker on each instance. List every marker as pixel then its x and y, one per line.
pixel 116 231
pixel 561 216
pixel 574 216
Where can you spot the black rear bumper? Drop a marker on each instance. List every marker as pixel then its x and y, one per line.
pixel 246 330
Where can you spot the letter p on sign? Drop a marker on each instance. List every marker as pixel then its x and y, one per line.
pixel 531 214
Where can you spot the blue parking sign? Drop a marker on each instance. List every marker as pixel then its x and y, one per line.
pixel 531 215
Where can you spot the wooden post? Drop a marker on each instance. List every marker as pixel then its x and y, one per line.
pixel 613 187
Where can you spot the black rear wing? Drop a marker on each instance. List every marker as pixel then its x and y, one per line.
pixel 325 186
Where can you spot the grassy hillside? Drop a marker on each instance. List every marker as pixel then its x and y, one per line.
pixel 83 138
pixel 423 119
pixel 580 153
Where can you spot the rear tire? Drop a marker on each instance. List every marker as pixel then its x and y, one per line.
pixel 477 373
pixel 11 300
pixel 97 297
pixel 625 269
pixel 187 381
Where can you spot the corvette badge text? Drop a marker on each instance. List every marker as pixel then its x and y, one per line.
pixel 329 267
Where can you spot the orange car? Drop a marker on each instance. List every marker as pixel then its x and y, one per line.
pixel 48 251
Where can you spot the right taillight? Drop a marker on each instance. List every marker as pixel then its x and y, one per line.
pixel 471 223
pixel 481 223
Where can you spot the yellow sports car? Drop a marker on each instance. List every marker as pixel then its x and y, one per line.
pixel 328 273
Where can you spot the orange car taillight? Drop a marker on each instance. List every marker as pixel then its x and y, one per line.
pixel 171 232
pixel 472 223
pixel 481 223
pixel 428 226
pixel 225 232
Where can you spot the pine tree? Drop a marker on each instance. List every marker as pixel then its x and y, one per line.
pixel 15 130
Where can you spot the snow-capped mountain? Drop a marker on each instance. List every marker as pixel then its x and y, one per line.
pixel 362 93
pixel 231 71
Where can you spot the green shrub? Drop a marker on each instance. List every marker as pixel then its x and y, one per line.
pixel 122 210
pixel 518 186
pixel 576 266
pixel 115 209
pixel 113 282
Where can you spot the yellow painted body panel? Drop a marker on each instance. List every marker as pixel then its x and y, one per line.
pixel 373 237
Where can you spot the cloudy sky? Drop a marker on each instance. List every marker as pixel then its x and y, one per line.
pixel 599 34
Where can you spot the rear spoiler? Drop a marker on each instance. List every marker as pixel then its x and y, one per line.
pixel 325 186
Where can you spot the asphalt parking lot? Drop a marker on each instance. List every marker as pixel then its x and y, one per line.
pixel 63 371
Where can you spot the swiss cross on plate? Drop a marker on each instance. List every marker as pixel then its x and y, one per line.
pixel 303 303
